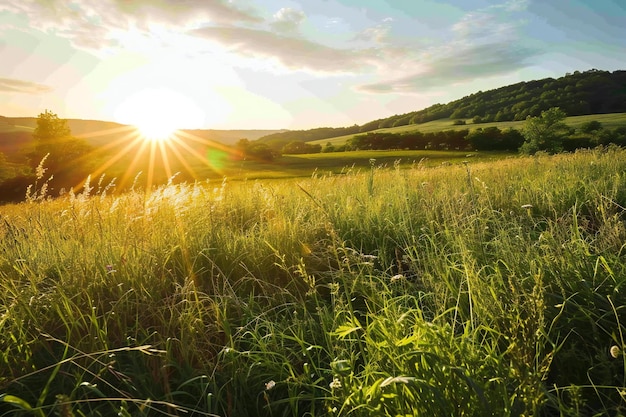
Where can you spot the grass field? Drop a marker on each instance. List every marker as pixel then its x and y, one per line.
pixel 609 121
pixel 289 166
pixel 473 289
pixel 216 164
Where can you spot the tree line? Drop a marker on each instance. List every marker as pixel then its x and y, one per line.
pixel 546 132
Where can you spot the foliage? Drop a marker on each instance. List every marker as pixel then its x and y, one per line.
pixel 591 126
pixel 50 128
pixel 445 140
pixel 478 289
pixel 255 151
pixel 545 133
pixel 53 137
pixel 492 138
pixel 297 147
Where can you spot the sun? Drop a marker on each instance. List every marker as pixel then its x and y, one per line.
pixel 158 113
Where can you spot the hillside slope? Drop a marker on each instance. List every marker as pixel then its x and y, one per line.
pixel 580 93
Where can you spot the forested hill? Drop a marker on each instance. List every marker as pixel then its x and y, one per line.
pixel 580 93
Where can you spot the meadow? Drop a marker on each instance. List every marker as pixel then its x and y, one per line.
pixel 609 121
pixel 483 288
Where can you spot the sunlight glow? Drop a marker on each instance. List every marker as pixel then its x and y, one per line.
pixel 158 113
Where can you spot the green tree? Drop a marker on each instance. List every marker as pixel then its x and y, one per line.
pixel 50 128
pixel 591 127
pixel 545 132
pixel 53 136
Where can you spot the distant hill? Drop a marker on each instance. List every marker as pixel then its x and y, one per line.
pixel 17 131
pixel 579 93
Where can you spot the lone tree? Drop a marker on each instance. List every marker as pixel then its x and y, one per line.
pixel 50 128
pixel 53 136
pixel 545 132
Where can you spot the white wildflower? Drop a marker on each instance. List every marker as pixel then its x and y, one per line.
pixel 336 384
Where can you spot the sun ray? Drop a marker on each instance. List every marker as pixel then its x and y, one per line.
pixel 152 144
pixel 198 156
pixel 171 144
pixel 165 159
pixel 151 162
pixel 136 140
pixel 133 164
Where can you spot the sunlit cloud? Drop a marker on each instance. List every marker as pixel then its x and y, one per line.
pixel 175 12
pixel 228 56
pixel 92 25
pixel 11 85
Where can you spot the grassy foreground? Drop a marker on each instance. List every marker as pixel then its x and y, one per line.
pixel 484 289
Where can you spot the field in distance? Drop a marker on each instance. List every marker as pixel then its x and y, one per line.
pixel 334 163
pixel 609 121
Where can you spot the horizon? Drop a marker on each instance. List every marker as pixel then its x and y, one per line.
pixel 297 65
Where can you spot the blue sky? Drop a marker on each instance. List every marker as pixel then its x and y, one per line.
pixel 265 64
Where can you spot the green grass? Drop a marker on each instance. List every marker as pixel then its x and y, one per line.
pixel 284 167
pixel 478 289
pixel 609 121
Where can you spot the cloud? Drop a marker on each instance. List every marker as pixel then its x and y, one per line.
pixel 288 20
pixel 461 66
pixel 180 11
pixel 90 24
pixel 378 34
pixel 484 42
pixel 291 52
pixel 11 85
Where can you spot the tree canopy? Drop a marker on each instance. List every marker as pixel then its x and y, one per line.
pixel 546 132
pixel 50 127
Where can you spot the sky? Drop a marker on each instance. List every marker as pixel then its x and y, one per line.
pixel 287 64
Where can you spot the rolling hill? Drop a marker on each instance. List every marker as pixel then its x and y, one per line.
pixel 17 131
pixel 578 94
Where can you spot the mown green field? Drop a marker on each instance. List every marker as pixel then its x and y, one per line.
pixel 486 288
pixel 609 121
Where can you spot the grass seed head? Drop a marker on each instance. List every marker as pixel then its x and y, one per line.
pixel 615 351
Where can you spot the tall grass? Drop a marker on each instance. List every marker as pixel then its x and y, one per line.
pixel 477 289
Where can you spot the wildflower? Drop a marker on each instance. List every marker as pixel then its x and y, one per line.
pixel 336 384
pixel 397 277
pixel 269 385
pixel 615 351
